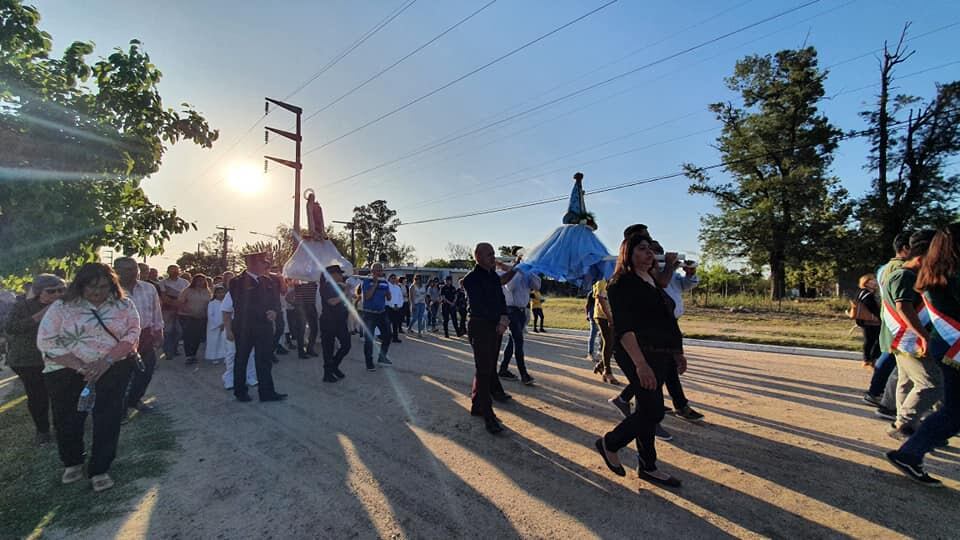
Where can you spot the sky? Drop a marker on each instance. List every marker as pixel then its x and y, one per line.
pixel 224 57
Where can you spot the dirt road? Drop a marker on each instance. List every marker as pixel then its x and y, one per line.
pixel 787 450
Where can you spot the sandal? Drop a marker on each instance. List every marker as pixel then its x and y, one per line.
pixel 101 482
pixel 72 474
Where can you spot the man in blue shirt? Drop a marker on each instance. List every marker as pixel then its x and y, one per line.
pixel 376 292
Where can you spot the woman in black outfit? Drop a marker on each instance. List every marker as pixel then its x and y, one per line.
pixel 648 343
pixel 868 318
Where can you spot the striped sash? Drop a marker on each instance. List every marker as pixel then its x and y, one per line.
pixel 904 339
pixel 949 330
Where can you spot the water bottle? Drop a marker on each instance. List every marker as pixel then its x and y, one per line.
pixel 88 397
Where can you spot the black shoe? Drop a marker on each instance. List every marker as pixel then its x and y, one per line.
pixel 670 481
pixel 244 398
pixel 478 413
pixel 885 413
pixel 371 368
pixel 281 350
pixel 873 400
pixel 689 414
pixel 914 472
pixel 338 374
pixel 536 331
pixel 329 377
pixel 502 397
pixel 385 362
pixel 507 374
pixel 662 434
pixel 617 469
pixel 528 380
pixel 492 425
pixel 622 406
pixel 542 331
pixel 275 397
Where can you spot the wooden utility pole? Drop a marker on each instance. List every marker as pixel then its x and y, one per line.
pixel 226 240
pixel 296 165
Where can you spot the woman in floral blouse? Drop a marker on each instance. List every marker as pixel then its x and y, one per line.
pixel 79 350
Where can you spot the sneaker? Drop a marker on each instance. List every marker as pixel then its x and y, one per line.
pixel 384 362
pixel 871 399
pixel 688 414
pixel 622 406
pixel 885 413
pixel 663 434
pixel 528 380
pixel 914 472
pixel 507 374
pixel 371 367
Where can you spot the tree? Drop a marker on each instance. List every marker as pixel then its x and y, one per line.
pixel 437 263
pixel 781 207
pixel 375 226
pixel 401 254
pixel 208 259
pixel 508 251
pixel 908 155
pixel 459 251
pixel 78 140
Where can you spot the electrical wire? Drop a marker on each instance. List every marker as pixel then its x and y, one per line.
pixel 460 78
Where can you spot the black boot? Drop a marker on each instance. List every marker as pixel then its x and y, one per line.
pixel 329 377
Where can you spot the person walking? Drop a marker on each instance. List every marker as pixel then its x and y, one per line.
pixel 254 300
pixel 448 305
pixel 536 306
pixel 145 297
pixel 333 324
pixel 87 338
pixel 433 304
pixel 405 307
pixel 648 341
pixel 375 292
pixel 517 292
pixel 217 346
pixel 305 302
pixel 939 282
pixel 866 313
pixel 488 321
pixel 418 299
pixel 461 305
pixel 602 315
pixel 589 309
pixel 171 287
pixel 395 307
pixel 24 358
pixel 192 314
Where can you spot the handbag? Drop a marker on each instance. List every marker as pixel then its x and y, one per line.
pixel 133 356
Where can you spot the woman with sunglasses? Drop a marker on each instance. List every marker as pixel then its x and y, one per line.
pixel 87 339
pixel 24 357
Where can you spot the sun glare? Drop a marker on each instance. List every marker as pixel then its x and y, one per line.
pixel 245 178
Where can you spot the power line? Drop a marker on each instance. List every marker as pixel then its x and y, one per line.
pixel 460 78
pixel 650 180
pixel 395 64
pixel 569 95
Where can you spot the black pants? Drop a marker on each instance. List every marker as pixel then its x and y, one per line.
pixel 606 343
pixel 537 315
pixel 405 313
pixel 449 314
pixel 297 328
pixel 193 333
pixel 871 342
pixel 518 321
pixel 309 314
pixel 260 341
pixel 463 321
pixel 485 342
pixel 65 386
pixel 396 321
pixel 139 380
pixel 331 331
pixel 641 424
pixel 38 402
pixel 671 380
pixel 279 328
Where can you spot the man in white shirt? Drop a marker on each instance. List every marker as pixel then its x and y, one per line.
pixel 395 306
pixel 170 289
pixel 145 298
pixel 517 294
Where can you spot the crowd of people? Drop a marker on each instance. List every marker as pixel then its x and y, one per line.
pixel 89 348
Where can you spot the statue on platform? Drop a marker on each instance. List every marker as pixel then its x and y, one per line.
pixel 315 226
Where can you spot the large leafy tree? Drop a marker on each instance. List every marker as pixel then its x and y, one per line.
pixel 375 226
pixel 780 206
pixel 911 140
pixel 78 139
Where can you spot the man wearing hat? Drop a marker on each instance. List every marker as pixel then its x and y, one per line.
pixel 254 299
pixel 333 323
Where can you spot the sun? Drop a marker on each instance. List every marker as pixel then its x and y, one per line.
pixel 245 178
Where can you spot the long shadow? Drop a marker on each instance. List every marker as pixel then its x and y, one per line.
pixel 840 391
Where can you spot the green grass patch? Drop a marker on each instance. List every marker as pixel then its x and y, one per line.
pixel 806 323
pixel 33 497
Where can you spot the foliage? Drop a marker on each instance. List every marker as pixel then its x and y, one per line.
pixel 437 263
pixel 910 143
pixel 402 255
pixel 208 259
pixel 78 139
pixel 508 251
pixel 781 207
pixel 459 251
pixel 375 226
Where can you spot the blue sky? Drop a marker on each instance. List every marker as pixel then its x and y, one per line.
pixel 225 56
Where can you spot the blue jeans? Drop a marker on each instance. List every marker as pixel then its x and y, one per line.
pixel 518 321
pixel 376 320
pixel 419 312
pixel 594 329
pixel 171 336
pixel 942 424
pixel 881 372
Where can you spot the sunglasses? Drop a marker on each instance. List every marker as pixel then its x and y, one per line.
pixel 59 290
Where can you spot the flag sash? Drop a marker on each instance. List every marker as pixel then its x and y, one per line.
pixel 949 330
pixel 904 339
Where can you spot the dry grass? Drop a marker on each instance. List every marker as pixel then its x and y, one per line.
pixel 809 326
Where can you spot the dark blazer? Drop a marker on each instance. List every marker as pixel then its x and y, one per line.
pixel 251 300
